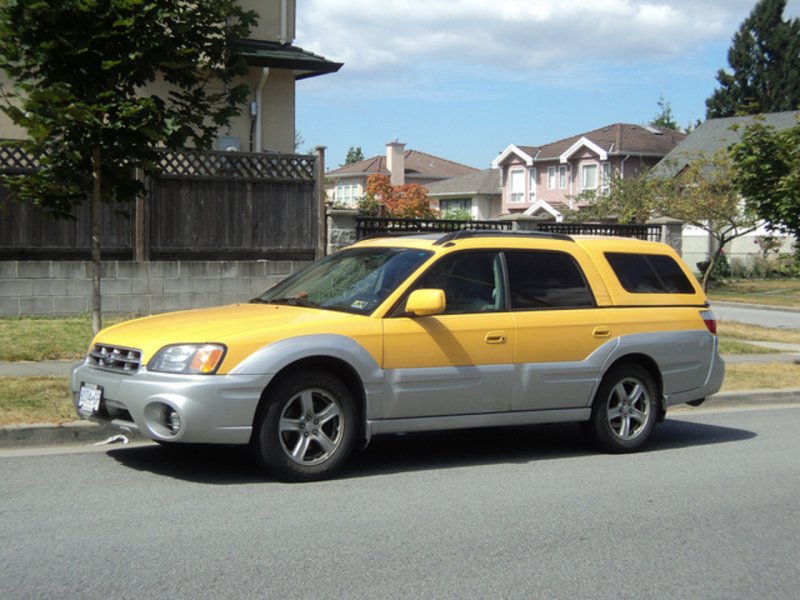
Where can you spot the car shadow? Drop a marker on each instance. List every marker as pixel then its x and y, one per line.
pixel 232 465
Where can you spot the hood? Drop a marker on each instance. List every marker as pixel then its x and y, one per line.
pixel 264 322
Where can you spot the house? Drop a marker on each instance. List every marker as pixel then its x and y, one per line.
pixel 549 179
pixel 479 194
pixel 717 134
pixel 267 121
pixel 347 184
pixel 707 139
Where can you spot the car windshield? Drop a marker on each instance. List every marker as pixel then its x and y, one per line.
pixel 355 280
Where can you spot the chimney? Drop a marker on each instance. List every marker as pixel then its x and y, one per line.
pixel 396 162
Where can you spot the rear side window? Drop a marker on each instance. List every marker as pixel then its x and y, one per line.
pixel 649 273
pixel 546 280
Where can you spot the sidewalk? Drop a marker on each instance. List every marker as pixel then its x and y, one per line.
pixel 45 368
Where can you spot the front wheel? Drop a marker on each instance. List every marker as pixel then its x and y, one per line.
pixel 625 409
pixel 306 429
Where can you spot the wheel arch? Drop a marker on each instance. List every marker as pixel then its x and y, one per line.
pixel 332 365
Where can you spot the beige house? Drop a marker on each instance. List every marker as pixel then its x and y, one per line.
pixel 344 186
pixel 477 194
pixel 267 122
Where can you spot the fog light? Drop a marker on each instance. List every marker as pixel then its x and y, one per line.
pixel 173 421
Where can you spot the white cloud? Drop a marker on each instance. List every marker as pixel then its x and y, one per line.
pixel 379 36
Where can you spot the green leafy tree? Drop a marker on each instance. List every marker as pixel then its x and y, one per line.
pixel 768 174
pixel 629 200
pixel 664 118
pixel 354 155
pixel 764 58
pixel 83 72
pixel 704 194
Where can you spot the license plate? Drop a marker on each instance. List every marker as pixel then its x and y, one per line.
pixel 89 398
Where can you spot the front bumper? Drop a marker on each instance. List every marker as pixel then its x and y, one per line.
pixel 211 409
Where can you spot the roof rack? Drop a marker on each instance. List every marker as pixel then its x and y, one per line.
pixel 469 233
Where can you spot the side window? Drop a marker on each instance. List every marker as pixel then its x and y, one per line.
pixel 543 279
pixel 649 273
pixel 472 282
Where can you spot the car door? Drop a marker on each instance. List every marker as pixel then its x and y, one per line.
pixel 458 362
pixel 559 330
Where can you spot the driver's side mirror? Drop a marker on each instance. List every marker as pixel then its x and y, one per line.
pixel 424 303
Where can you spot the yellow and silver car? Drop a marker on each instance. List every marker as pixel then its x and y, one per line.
pixel 425 332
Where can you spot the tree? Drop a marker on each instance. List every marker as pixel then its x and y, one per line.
pixel 354 155
pixel 299 140
pixel 764 58
pixel 703 194
pixel 629 200
pixel 83 71
pixel 768 174
pixel 664 118
pixel 409 200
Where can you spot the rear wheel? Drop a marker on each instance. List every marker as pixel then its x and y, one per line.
pixel 307 428
pixel 625 409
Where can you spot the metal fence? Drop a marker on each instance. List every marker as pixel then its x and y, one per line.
pixel 370 226
pixel 641 232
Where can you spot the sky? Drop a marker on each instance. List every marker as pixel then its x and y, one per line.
pixel 463 79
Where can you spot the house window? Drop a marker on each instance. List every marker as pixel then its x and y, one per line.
pixel 456 205
pixel 517 187
pixel 347 193
pixel 562 177
pixel 551 178
pixel 606 184
pixel 532 185
pixel 589 177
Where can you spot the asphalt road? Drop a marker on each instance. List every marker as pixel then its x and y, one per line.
pixel 782 319
pixel 709 511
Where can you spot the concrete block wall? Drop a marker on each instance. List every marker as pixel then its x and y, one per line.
pixel 65 287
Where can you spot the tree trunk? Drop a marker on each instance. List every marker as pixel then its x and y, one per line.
pixel 96 211
pixel 712 261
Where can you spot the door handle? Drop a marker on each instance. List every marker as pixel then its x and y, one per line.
pixel 602 331
pixel 495 337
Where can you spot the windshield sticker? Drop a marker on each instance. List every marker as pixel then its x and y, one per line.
pixel 359 304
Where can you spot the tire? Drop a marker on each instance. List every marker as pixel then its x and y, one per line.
pixel 306 429
pixel 625 409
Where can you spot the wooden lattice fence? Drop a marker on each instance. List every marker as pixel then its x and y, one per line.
pixel 200 205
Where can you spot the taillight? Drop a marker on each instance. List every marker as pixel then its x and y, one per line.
pixel 710 320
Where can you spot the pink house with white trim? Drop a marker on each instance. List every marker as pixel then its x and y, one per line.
pixel 547 180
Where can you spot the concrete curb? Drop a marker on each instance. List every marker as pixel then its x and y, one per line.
pixel 48 434
pixel 86 432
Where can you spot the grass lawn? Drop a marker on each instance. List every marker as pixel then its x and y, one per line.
pixel 47 338
pixel 35 400
pixel 761 376
pixel 777 292
pixel 733 337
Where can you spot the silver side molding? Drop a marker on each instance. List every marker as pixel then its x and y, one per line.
pixel 503 419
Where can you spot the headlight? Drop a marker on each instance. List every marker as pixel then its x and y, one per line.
pixel 188 358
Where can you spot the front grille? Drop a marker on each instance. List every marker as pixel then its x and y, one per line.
pixel 113 358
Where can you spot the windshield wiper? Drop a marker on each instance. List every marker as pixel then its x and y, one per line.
pixel 293 301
